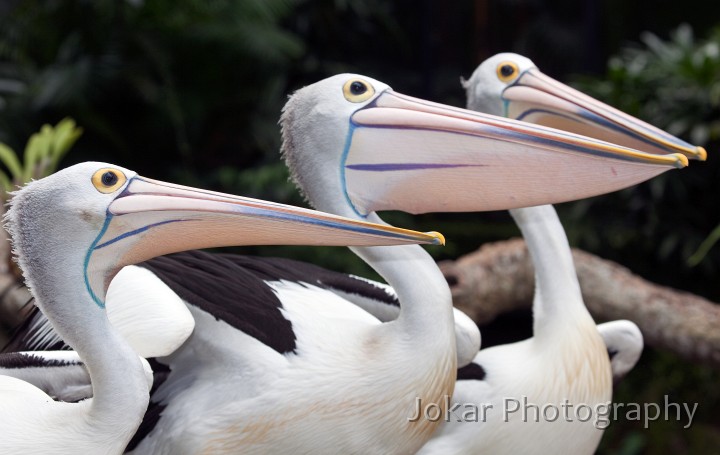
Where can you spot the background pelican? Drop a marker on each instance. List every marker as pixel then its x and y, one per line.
pixel 567 358
pixel 71 232
pixel 334 133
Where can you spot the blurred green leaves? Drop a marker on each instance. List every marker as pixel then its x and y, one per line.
pixel 158 84
pixel 674 84
pixel 704 247
pixel 43 153
pixel 271 181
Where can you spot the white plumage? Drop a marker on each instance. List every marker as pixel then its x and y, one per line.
pixel 350 384
pixel 71 232
pixel 53 222
pixel 566 362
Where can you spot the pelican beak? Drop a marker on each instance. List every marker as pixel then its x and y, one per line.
pixel 151 218
pixel 539 99
pixel 404 153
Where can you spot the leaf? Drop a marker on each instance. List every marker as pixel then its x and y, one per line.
pixel 11 161
pixel 6 186
pixel 33 154
pixel 704 248
pixel 66 134
pixel 46 136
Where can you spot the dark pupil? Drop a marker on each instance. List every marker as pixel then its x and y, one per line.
pixel 109 179
pixel 357 88
pixel 507 70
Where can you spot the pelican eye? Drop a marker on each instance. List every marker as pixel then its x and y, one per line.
pixel 506 71
pixel 358 88
pixel 108 180
pixel 357 91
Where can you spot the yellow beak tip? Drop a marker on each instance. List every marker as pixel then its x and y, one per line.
pixel 701 154
pixel 439 239
pixel 682 160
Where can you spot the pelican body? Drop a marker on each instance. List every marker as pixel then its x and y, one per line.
pixel 569 364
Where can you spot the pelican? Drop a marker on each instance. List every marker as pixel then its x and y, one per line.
pixel 567 359
pixel 71 232
pixel 334 378
pixel 350 383
pixel 510 85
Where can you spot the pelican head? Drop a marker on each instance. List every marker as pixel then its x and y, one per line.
pixel 510 85
pixel 624 343
pixel 355 146
pixel 115 218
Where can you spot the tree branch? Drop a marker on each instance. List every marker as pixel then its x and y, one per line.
pixel 499 277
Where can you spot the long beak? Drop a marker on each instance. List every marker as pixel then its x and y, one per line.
pixel 151 218
pixel 542 100
pixel 408 154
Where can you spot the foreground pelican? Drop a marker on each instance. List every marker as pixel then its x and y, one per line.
pixel 566 362
pixel 71 232
pixel 333 379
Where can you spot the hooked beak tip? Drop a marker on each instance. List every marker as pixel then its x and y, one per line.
pixel 701 154
pixel 682 160
pixel 439 239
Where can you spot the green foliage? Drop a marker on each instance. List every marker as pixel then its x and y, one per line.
pixel 43 153
pixel 659 374
pixel 154 78
pixel 675 85
pixel 271 181
pixel 704 248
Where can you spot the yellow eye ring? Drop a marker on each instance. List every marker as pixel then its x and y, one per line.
pixel 357 90
pixel 107 180
pixel 507 71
